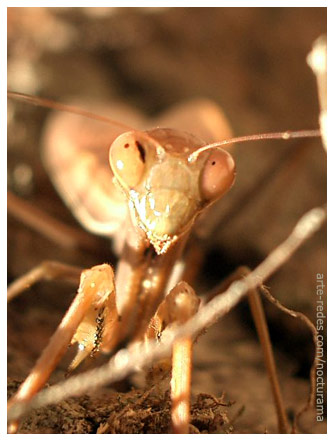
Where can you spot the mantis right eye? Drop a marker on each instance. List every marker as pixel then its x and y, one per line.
pixel 127 157
pixel 217 175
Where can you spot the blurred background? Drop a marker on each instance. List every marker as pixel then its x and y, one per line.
pixel 252 62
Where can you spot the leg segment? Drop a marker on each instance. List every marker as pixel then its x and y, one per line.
pixel 46 225
pixel 179 305
pixel 181 384
pixel 47 270
pixel 260 321
pixel 96 291
pixel 264 337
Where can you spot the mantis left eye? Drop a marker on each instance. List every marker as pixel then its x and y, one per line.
pixel 217 175
pixel 127 157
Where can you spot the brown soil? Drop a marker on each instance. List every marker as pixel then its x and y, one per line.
pixel 132 412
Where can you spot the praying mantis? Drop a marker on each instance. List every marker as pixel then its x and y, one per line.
pixel 168 245
pixel 167 182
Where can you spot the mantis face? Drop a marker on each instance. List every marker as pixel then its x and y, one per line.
pixel 165 190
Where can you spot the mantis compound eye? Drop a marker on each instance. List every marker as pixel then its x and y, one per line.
pixel 127 157
pixel 217 175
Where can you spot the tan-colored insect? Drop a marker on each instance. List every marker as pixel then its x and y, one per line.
pixel 146 190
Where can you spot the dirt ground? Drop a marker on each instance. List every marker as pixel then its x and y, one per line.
pixel 251 61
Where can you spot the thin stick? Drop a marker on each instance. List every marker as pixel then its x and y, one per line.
pixel 140 355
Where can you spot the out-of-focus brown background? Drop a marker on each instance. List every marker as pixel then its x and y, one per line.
pixel 251 61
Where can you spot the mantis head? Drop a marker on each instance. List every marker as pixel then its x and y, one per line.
pixel 165 186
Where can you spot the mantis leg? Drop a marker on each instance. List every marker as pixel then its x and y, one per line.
pixel 264 337
pixel 179 305
pixel 47 270
pixel 49 227
pixel 96 291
